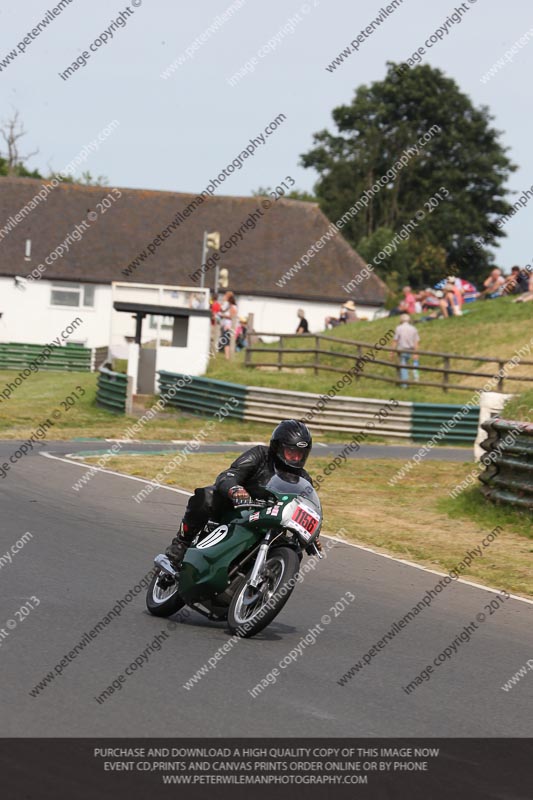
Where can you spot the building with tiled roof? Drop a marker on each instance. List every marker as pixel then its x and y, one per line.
pixel 65 245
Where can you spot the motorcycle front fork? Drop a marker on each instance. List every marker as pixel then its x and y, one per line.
pixel 257 571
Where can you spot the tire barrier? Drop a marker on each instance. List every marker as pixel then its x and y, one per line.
pixel 508 474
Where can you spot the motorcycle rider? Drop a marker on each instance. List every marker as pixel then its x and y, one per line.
pixel 288 451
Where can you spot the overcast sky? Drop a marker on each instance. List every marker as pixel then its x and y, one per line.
pixel 176 134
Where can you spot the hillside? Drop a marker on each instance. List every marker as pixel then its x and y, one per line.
pixel 492 328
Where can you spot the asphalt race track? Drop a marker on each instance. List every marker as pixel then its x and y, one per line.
pixel 97 446
pixel 90 547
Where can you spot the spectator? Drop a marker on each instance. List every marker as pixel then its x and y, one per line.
pixel 517 282
pixel 241 332
pixel 428 300
pixel 347 313
pixel 350 312
pixel 406 340
pixel 215 308
pixel 527 296
pixel 196 301
pixel 303 325
pixel 452 299
pixel 493 285
pixel 408 304
pixel 229 315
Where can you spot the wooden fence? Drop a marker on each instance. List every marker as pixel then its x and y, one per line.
pixel 283 357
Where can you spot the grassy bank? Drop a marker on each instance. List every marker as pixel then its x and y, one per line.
pixel 492 328
pixel 498 328
pixel 520 408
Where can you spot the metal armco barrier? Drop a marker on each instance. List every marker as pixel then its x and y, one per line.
pixel 99 357
pixel 508 477
pixel 114 391
pixel 71 358
pixel 414 421
pixel 429 418
pixel 348 414
pixel 202 395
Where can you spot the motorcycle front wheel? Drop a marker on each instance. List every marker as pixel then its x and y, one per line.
pixel 162 598
pixel 252 610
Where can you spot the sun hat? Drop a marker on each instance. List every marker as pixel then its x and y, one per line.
pixel 350 305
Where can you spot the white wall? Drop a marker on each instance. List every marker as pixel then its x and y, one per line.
pixel 190 360
pixel 132 354
pixel 123 325
pixel 28 316
pixel 272 315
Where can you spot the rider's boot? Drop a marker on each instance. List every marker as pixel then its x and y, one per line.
pixel 178 547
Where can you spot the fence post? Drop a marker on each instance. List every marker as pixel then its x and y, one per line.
pixel 280 354
pixel 359 357
pixel 501 365
pixel 248 356
pixel 445 375
pixel 129 395
pixel 317 354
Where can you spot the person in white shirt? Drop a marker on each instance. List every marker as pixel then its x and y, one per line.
pixel 406 340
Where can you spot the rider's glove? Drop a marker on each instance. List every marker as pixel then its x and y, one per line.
pixel 238 495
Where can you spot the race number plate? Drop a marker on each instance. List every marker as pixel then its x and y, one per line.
pixel 305 520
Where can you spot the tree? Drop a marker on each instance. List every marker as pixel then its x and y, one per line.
pixel 88 180
pixel 295 194
pixel 13 163
pixel 465 157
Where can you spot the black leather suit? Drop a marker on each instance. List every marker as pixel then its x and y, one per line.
pixel 252 469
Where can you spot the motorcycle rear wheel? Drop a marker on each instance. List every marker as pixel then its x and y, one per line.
pixel 281 567
pixel 163 602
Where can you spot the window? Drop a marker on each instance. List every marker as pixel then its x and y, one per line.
pixel 88 296
pixel 71 294
pixel 62 297
pixel 167 323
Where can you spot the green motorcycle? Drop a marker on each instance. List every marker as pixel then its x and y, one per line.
pixel 244 567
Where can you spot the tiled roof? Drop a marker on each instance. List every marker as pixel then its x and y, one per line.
pixel 282 235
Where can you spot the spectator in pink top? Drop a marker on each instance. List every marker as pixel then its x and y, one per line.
pixel 408 304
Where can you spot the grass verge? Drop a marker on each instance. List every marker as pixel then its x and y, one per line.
pixel 35 399
pixel 416 520
pixel 520 407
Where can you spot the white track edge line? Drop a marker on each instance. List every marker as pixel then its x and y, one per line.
pixel 112 472
pixel 327 536
pixel 427 569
